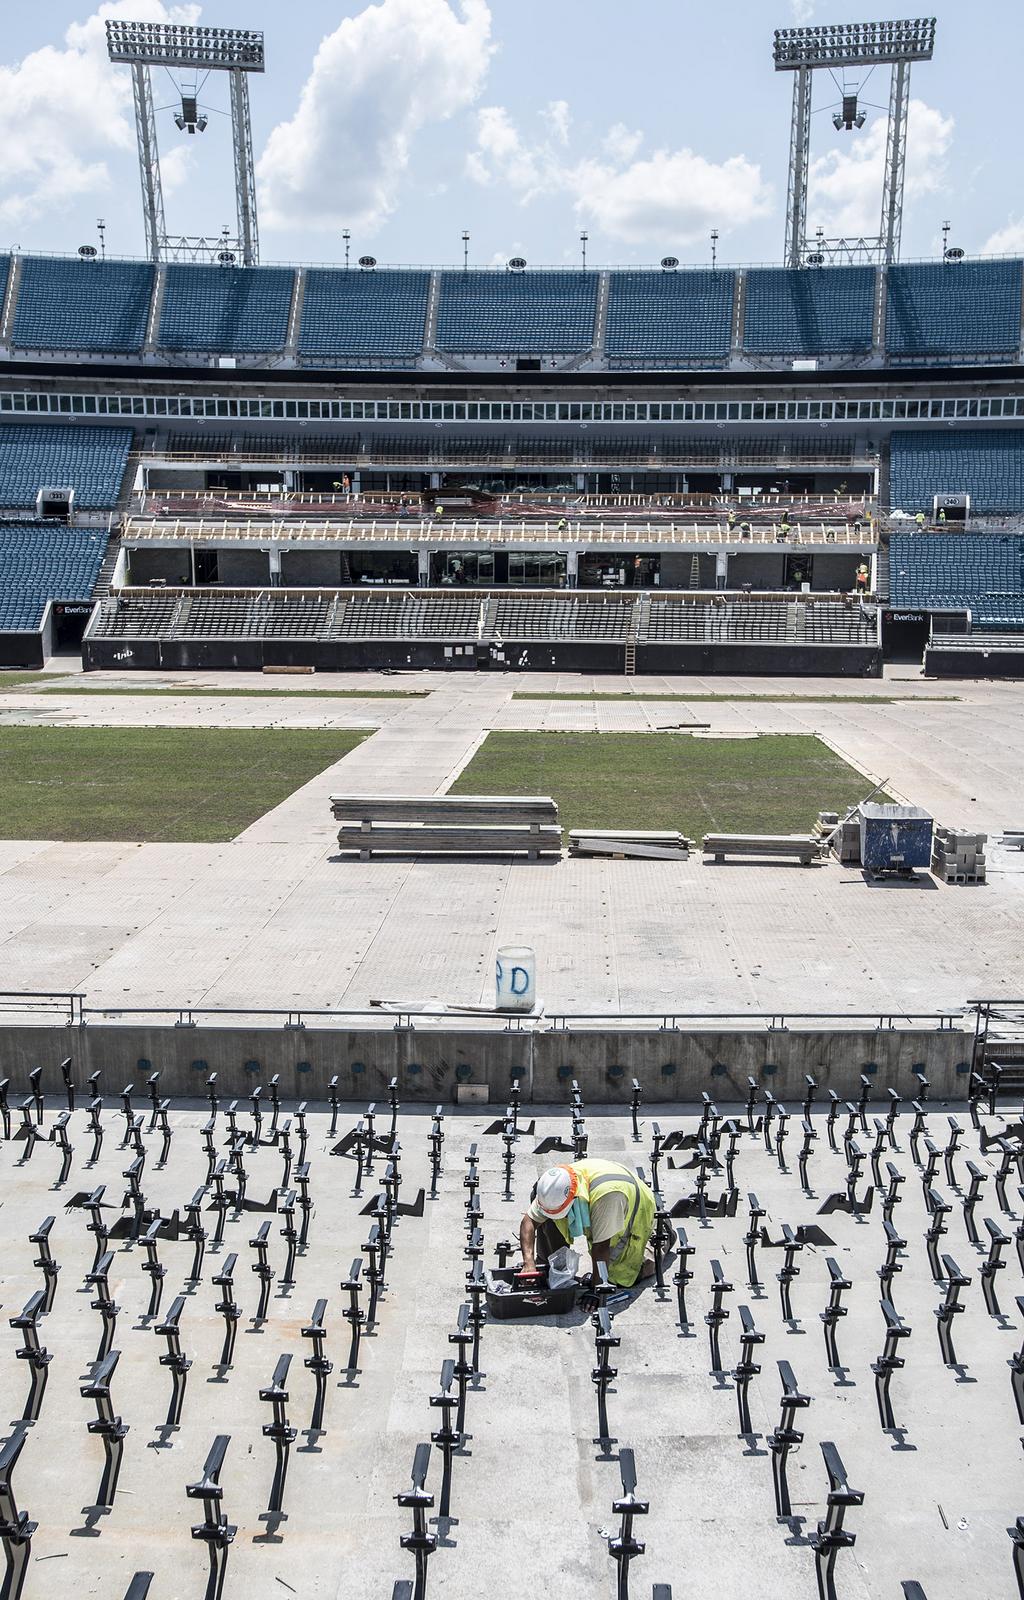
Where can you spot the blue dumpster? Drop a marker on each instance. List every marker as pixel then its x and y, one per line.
pixel 894 838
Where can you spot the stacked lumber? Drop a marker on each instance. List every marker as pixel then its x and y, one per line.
pixel 656 844
pixel 800 846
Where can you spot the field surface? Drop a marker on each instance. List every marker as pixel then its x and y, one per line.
pixel 776 783
pixel 148 785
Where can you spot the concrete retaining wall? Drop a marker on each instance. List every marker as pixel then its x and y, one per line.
pixel 671 1065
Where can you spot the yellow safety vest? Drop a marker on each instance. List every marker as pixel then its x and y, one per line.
pixel 598 1178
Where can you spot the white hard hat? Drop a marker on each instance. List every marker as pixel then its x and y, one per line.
pixel 556 1191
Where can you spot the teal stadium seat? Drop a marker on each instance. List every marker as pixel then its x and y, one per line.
pixel 90 459
pixel 378 318
pixel 40 563
pixel 980 572
pixel 76 305
pixel 516 313
pixel 986 463
pixel 230 309
pixel 968 308
pixel 669 318
pixel 809 311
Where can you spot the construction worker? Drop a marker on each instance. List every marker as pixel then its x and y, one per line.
pixel 919 519
pixel 863 576
pixel 602 1202
pixel 438 509
pixel 942 515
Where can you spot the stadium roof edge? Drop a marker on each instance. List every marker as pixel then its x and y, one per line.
pixel 17 253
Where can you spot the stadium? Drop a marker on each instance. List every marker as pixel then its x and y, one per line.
pixel 461 718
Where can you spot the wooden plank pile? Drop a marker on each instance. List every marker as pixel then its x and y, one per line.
pixel 796 846
pixel 463 825
pixel 658 844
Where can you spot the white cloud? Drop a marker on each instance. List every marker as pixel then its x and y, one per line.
pixel 1006 241
pixel 556 115
pixel 803 11
pixel 673 197
pixel 622 143
pixel 845 185
pixel 65 111
pixel 669 197
pixel 381 77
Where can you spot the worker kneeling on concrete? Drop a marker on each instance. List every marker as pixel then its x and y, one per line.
pixel 602 1202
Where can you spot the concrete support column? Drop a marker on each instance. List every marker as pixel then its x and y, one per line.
pixel 275 565
pixel 423 567
pixel 572 567
pixel 721 569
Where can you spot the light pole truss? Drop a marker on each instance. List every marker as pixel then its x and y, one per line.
pixel 236 51
pixel 804 51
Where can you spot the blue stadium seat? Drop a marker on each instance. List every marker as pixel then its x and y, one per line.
pixel 809 311
pixel 89 459
pixel 243 309
pixel 367 316
pixel 75 305
pixel 986 463
pixel 969 308
pixel 516 313
pixel 39 563
pixel 669 316
pixel 950 570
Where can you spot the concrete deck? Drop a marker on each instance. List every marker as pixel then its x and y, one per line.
pixel 272 919
pixel 532 1490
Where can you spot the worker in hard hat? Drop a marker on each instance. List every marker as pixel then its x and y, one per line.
pixel 602 1202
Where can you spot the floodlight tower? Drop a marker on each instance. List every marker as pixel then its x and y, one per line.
pixel 804 51
pixel 236 51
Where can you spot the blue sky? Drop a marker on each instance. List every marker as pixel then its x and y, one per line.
pixel 523 121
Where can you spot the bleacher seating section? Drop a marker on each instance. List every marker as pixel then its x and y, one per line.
pixel 521 617
pixel 375 316
pixel 511 618
pixel 663 317
pixel 757 621
pixel 229 309
pixel 957 309
pixel 808 311
pixel 41 562
pixel 76 305
pixel 516 313
pixel 90 459
pixel 968 310
pixel 986 463
pixel 982 572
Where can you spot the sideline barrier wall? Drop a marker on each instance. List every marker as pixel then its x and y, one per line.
pixel 674 1065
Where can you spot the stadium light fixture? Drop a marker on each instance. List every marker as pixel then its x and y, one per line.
pixel 179 47
pixel 162 44
pixel 714 247
pixel 865 45
pixel 346 235
pixel 465 249
pixel 584 236
pixel 855 44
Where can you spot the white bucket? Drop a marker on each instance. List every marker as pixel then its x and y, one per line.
pixel 515 975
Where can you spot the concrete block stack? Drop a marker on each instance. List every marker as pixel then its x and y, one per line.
pixel 958 856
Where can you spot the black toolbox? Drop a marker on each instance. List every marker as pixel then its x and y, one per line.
pixel 536 1301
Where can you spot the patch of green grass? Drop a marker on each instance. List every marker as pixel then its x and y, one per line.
pixel 23 680
pixel 776 783
pixel 767 699
pixel 188 692
pixel 180 785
